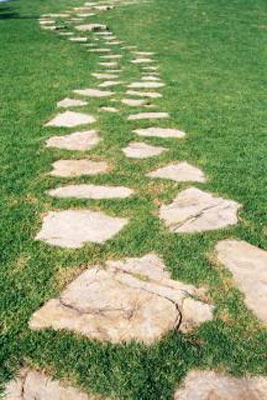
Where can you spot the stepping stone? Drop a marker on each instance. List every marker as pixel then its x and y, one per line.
pixel 78 39
pixel 112 56
pixel 72 229
pixel 145 85
pixel 150 68
pixel 150 78
pixel 65 33
pixel 71 103
pixel 105 76
pixel 129 47
pixel 105 33
pixel 160 132
pixel 144 53
pixel 46 22
pixel 210 385
pixel 86 15
pixel 74 168
pixel 69 119
pixel 133 299
pixel 108 64
pixel 109 38
pixel 142 61
pixel 98 50
pixel 109 109
pixel 133 102
pixel 34 385
pixel 116 43
pixel 142 150
pixel 180 172
pixel 91 28
pixel 110 83
pixel 152 95
pixel 196 211
pixel 93 92
pixel 149 115
pixel 104 8
pixel 248 265
pixel 91 192
pixel 81 141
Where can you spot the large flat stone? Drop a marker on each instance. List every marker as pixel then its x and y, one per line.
pixel 133 299
pixel 248 265
pixel 112 56
pixel 151 95
pixel 142 150
pixel 179 172
pixel 142 61
pixel 196 211
pixel 65 103
pixel 145 85
pixel 73 228
pixel 73 168
pixel 108 64
pixel 91 27
pixel 209 385
pixel 70 119
pixel 75 141
pixel 105 76
pixel 148 115
pixel 110 84
pixel 160 132
pixel 133 102
pixel 93 92
pixel 80 39
pixel 91 192
pixel 99 50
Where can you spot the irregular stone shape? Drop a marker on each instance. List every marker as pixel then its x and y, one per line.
pixel 209 385
pixel 160 132
pixel 129 300
pixel 152 95
pixel 180 172
pixel 115 43
pixel 196 211
pixel 91 192
pixel 78 39
pixel 149 115
pixel 150 78
pixel 104 7
pixel 93 92
pixel 46 22
pixel 65 33
pixel 34 385
pixel 145 85
pixel 105 76
pixel 73 168
pixel 110 83
pixel 142 61
pixel 109 64
pixel 105 33
pixel 75 141
pixel 133 102
pixel 112 56
pixel 69 119
pixel 73 228
pixel 142 150
pixel 150 68
pixel 85 15
pixel 248 265
pixel 144 53
pixel 91 28
pixel 71 103
pixel 109 109
pixel 99 50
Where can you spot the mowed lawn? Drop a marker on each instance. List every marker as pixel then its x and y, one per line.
pixel 213 59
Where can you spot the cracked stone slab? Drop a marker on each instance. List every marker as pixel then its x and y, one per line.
pixel 142 150
pixel 81 39
pixel 91 192
pixel 196 211
pixel 91 28
pixel 105 76
pixel 70 119
pixel 132 299
pixel 248 265
pixel 74 168
pixel 160 132
pixel 179 172
pixel 151 95
pixel 31 384
pixel 148 115
pixel 133 102
pixel 145 85
pixel 93 92
pixel 210 385
pixel 65 103
pixel 110 84
pixel 72 229
pixel 81 141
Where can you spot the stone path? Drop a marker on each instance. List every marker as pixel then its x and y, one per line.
pixel 82 141
pixel 181 172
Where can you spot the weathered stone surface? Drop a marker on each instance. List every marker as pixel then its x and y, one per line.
pixel 93 92
pixel 71 103
pixel 110 83
pixel 112 56
pixel 91 192
pixel 209 385
pixel 80 39
pixel 142 61
pixel 108 64
pixel 148 115
pixel 248 265
pixel 179 172
pixel 152 95
pixel 72 168
pixel 75 141
pixel 69 119
pixel 142 150
pixel 105 76
pixel 134 299
pixel 109 109
pixel 196 211
pixel 145 85
pixel 160 132
pixel 91 27
pixel 133 102
pixel 73 228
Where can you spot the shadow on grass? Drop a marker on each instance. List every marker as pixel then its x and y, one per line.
pixel 8 12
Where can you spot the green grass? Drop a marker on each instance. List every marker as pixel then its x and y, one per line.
pixel 213 58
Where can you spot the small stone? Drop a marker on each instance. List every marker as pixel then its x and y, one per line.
pixel 110 83
pixel 145 85
pixel 66 33
pixel 71 103
pixel 108 64
pixel 109 109
pixel 81 141
pixel 112 56
pixel 144 53
pixel 86 15
pixel 105 33
pixel 160 132
pixel 142 61
pixel 73 168
pixel 99 50
pixel 196 211
pixel 149 115
pixel 150 68
pixel 72 229
pixel 248 265
pixel 180 172
pixel 104 7
pixel 91 28
pixel 91 192
pixel 93 92
pixel 152 95
pixel 115 43
pixel 105 76
pixel 46 22
pixel 133 102
pixel 69 119
pixel 142 150
pixel 78 39
pixel 150 78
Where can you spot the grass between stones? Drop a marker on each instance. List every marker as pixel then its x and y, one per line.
pixel 212 58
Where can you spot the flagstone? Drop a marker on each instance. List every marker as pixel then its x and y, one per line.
pixel 110 83
pixel 112 56
pixel 69 119
pixel 91 192
pixel 66 33
pixel 144 53
pixel 105 76
pixel 248 265
pixel 109 64
pixel 145 85
pixel 116 43
pixel 142 61
pixel 152 95
pixel 71 103
pixel 46 22
pixel 91 27
pixel 150 78
pixel 210 385
pixel 99 50
pixel 149 115
pixel 150 68
pixel 81 141
pixel 109 109
pixel 196 211
pixel 86 15
pixel 104 7
pixel 93 92
pixel 73 168
pixel 133 102
pixel 179 172
pixel 142 150
pixel 78 39
pixel 104 33
pixel 132 299
pixel 160 132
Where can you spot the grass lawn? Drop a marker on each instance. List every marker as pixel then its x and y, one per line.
pixel 213 59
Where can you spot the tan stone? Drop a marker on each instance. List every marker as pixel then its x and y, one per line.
pixel 133 102
pixel 108 64
pixel 73 168
pixel 91 27
pixel 152 95
pixel 179 172
pixel 109 109
pixel 142 61
pixel 91 192
pixel 99 50
pixel 248 265
pixel 80 39
pixel 142 150
pixel 145 85
pixel 196 211
pixel 70 119
pixel 105 76
pixel 144 53
pixel 160 132
pixel 71 103
pixel 93 92
pixel 75 141
pixel 110 84
pixel 112 56
pixel 148 115
pixel 151 78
